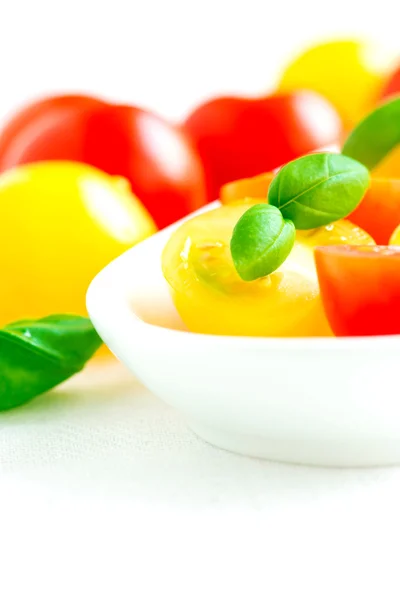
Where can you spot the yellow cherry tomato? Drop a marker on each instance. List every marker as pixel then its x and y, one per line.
pixel 60 224
pixel 211 297
pixel 346 72
pixel 395 237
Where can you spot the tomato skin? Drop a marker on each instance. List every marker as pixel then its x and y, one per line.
pixel 242 137
pixel 379 211
pixel 360 289
pixel 251 187
pixel 60 224
pixel 157 158
pixel 343 71
pixel 393 85
pixel 49 129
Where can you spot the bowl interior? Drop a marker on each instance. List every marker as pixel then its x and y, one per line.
pixel 132 289
pixel 147 291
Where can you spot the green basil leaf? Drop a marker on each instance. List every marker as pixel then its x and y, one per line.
pixel 317 189
pixel 35 356
pixel 376 135
pixel 262 240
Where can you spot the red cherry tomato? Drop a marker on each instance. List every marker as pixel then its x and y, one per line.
pixel 239 138
pixel 360 288
pixel 157 158
pixel 379 211
pixel 393 85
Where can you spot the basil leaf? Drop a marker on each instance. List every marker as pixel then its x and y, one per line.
pixel 262 240
pixel 35 356
pixel 317 189
pixel 376 135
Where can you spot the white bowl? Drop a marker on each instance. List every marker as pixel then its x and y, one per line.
pixel 319 401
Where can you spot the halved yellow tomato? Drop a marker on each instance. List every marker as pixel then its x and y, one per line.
pixel 211 297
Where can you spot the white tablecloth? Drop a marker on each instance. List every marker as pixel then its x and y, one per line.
pixel 104 493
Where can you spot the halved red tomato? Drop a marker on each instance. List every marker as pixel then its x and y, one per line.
pixel 360 288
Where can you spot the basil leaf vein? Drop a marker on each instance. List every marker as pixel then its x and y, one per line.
pixel 37 355
pixel 317 189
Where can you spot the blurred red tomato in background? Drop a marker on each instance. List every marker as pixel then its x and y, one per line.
pixel 157 158
pixel 243 137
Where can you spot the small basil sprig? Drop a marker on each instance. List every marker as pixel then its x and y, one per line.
pixel 376 135
pixel 35 356
pixel 309 192
pixel 262 240
pixel 317 189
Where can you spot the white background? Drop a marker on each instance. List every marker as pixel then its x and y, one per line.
pixel 169 54
pixel 85 510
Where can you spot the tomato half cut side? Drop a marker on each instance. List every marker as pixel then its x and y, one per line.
pixel 360 288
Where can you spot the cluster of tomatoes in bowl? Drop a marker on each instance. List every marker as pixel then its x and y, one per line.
pixel 342 278
pixel 89 178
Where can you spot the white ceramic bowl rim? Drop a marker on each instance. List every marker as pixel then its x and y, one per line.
pixel 127 314
pixel 115 289
pixel 313 400
pixel 361 342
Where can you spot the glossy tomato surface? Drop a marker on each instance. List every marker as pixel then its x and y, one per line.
pixel 379 211
pixel 252 187
pixel 346 72
pixel 360 288
pixel 242 137
pixel 392 86
pixel 156 157
pixel 60 224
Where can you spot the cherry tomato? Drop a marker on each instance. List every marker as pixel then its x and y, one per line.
pixel 252 187
pixel 360 288
pixel 344 72
pixel 392 85
pixel 211 298
pixel 60 224
pixel 157 158
pixel 379 211
pixel 242 137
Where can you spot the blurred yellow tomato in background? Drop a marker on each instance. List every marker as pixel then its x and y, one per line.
pixel 389 167
pixel 60 224
pixel 350 73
